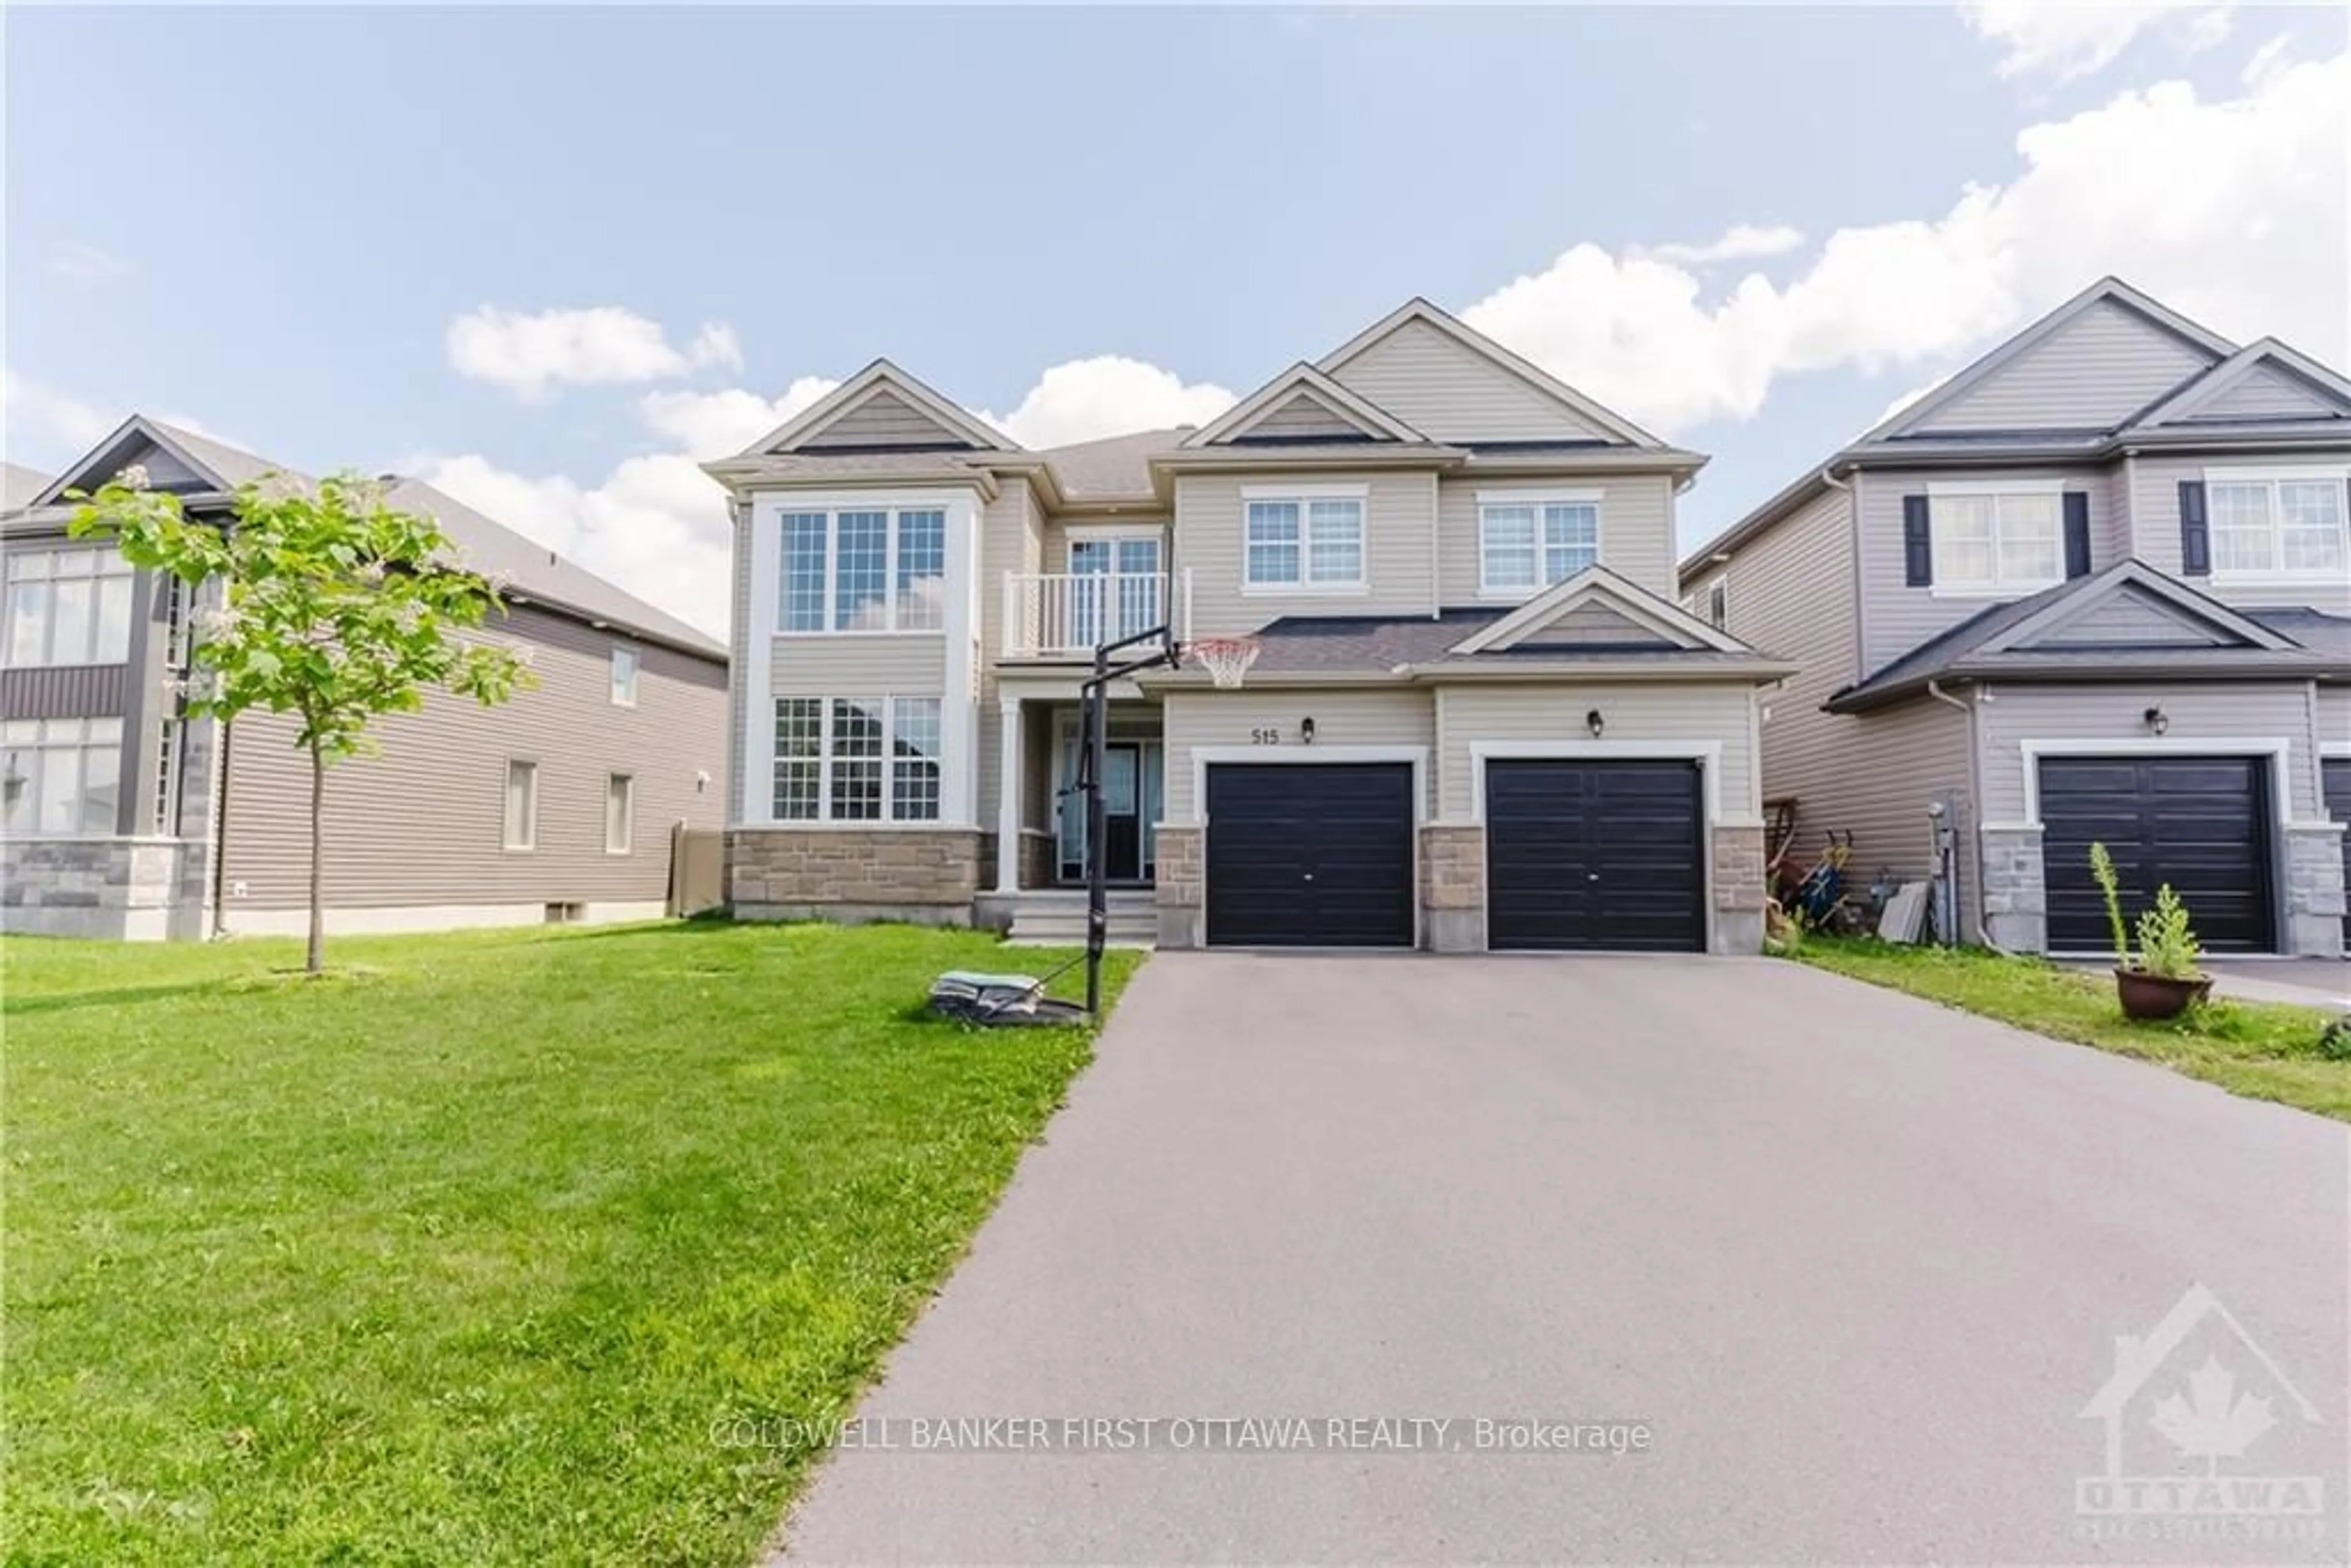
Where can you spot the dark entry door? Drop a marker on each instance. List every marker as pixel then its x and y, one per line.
pixel 1309 855
pixel 2199 823
pixel 1594 855
pixel 2338 771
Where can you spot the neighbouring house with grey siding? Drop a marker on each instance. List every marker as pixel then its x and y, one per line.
pixel 2096 587
pixel 1476 719
pixel 126 816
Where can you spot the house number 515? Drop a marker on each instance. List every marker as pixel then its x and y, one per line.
pixel 1265 737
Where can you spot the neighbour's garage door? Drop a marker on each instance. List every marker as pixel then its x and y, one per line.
pixel 1594 855
pixel 2338 806
pixel 2198 823
pixel 1309 855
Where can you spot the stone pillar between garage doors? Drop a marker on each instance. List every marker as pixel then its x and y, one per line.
pixel 1177 881
pixel 2015 892
pixel 2315 854
pixel 1453 889
pixel 1738 890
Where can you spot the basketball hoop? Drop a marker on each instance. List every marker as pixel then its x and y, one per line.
pixel 1226 659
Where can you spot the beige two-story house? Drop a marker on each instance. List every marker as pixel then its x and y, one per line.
pixel 1476 719
pixel 126 816
pixel 2096 588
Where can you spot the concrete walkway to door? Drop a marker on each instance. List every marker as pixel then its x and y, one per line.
pixel 1858 1263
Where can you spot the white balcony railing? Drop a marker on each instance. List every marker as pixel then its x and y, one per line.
pixel 1066 615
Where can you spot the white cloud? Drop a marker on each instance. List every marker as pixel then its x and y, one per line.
pixel 1107 395
pixel 1740 242
pixel 528 354
pixel 46 426
pixel 722 423
pixel 2065 41
pixel 2232 211
pixel 82 263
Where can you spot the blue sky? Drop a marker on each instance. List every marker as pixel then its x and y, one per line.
pixel 268 221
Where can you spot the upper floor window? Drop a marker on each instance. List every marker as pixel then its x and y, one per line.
pixel 1718 605
pixel 1997 540
pixel 1305 539
pixel 857 759
pixel 68 607
pixel 61 775
pixel 2281 524
pixel 1527 543
pixel 624 676
pixel 878 569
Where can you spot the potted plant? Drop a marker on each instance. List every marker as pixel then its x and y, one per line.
pixel 2163 981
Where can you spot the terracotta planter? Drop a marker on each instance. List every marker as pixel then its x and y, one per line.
pixel 2147 996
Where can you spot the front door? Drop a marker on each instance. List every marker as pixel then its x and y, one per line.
pixel 1132 790
pixel 1115 590
pixel 1123 812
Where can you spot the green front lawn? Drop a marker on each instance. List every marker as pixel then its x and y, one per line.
pixel 2258 1049
pixel 459 1255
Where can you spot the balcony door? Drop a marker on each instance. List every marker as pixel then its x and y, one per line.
pixel 1115 588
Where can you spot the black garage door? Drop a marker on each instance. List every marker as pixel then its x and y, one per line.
pixel 1309 855
pixel 1594 855
pixel 2197 822
pixel 2338 771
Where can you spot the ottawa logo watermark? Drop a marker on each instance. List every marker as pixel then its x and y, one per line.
pixel 2197 1419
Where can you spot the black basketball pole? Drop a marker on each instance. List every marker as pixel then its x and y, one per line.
pixel 1092 763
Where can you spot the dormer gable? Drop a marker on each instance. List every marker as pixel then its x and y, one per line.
pixel 178 461
pixel 2265 382
pixel 2084 368
pixel 1302 404
pixel 881 409
pixel 2133 606
pixel 1598 609
pixel 1460 386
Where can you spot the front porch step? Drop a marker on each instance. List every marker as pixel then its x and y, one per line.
pixel 1056 916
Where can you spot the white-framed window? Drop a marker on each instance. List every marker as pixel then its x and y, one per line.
pixel 2283 523
pixel 863 568
pixel 522 804
pixel 1997 539
pixel 61 775
pixel 620 813
pixel 1526 543
pixel 1305 539
pixel 625 661
pixel 857 759
pixel 68 607
pixel 1718 604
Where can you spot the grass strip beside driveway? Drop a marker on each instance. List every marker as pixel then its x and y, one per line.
pixel 2259 1050
pixel 460 1254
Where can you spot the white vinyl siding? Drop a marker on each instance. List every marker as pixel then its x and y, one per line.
pixel 1400 717
pixel 1997 539
pixel 1528 543
pixel 2203 719
pixel 1210 548
pixel 2098 370
pixel 67 607
pixel 60 776
pixel 1449 391
pixel 1668 714
pixel 522 805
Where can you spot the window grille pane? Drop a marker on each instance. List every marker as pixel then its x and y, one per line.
pixel 1273 554
pixel 914 759
pixel 921 570
pixel 860 596
pixel 1335 547
pixel 1571 540
pixel 800 745
pixel 804 537
pixel 1508 542
pixel 857 760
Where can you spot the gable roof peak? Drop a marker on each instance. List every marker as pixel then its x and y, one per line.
pixel 880 373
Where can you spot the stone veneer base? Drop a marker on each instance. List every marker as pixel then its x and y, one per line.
pixel 925 875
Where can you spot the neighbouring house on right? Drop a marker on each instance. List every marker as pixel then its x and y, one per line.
pixel 2096 587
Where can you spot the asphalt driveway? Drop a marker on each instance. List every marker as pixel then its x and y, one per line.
pixel 1856 1264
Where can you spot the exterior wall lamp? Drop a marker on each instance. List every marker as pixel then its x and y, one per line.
pixel 2157 720
pixel 1593 722
pixel 1306 730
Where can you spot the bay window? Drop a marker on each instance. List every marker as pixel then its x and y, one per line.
pixel 863 568
pixel 1997 540
pixel 61 775
pixel 2282 523
pixel 1309 539
pixel 1527 543
pixel 857 759
pixel 68 607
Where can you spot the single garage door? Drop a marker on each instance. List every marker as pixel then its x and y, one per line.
pixel 1605 855
pixel 2199 823
pixel 2338 771
pixel 1309 855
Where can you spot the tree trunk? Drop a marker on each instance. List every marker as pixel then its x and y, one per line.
pixel 315 962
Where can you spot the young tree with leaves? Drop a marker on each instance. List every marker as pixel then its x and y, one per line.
pixel 336 609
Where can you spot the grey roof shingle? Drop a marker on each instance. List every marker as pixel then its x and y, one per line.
pixel 1115 467
pixel 19 485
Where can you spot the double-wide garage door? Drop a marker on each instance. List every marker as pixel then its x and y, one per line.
pixel 1594 855
pixel 2198 823
pixel 1578 856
